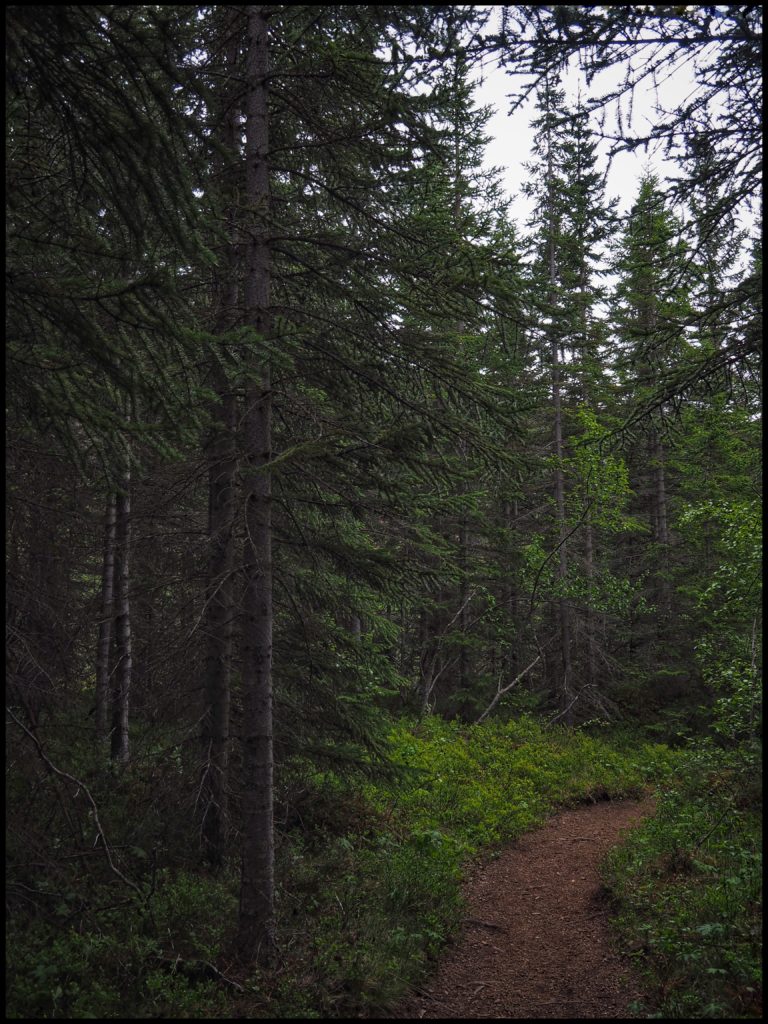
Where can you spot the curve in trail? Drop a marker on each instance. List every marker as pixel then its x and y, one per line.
pixel 535 941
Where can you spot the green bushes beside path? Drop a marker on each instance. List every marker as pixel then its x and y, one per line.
pixel 381 902
pixel 487 784
pixel 688 889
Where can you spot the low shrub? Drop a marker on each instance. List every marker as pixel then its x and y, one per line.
pixel 687 886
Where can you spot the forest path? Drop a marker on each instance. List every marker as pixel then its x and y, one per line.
pixel 535 941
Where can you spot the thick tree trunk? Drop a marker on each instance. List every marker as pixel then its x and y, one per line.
pixel 255 937
pixel 104 642
pixel 123 640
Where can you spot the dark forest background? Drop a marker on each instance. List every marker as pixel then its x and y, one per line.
pixel 328 481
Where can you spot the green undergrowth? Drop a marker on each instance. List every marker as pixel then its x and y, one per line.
pixel 369 881
pixel 120 957
pixel 374 882
pixel 687 889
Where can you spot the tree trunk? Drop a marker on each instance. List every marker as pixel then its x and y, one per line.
pixel 255 937
pixel 464 600
pixel 510 599
pixel 589 618
pixel 589 540
pixel 662 532
pixel 222 463
pixel 104 642
pixel 220 611
pixel 123 641
pixel 563 609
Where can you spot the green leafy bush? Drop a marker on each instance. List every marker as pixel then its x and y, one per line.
pixel 127 960
pixel 688 891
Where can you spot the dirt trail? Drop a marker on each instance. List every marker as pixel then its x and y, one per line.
pixel 535 941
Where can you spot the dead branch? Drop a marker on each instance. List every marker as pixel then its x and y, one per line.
pixel 502 690
pixel 99 830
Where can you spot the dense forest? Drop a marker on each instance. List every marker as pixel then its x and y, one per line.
pixel 355 523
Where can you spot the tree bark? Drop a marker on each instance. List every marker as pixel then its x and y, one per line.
pixel 589 618
pixel 255 937
pixel 510 598
pixel 123 641
pixel 662 532
pixel 221 455
pixel 219 621
pixel 564 617
pixel 563 609
pixel 464 601
pixel 104 642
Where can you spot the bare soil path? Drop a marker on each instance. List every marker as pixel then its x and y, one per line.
pixel 536 941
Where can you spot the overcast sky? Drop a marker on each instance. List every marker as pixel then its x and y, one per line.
pixel 512 138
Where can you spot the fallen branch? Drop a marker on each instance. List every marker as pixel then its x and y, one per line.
pixel 502 690
pixel 197 968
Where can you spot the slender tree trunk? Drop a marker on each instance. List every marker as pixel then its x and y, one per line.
pixel 222 463
pixel 563 608
pixel 589 618
pixel 428 659
pixel 104 642
pixel 219 622
pixel 510 599
pixel 590 624
pixel 123 640
pixel 464 602
pixel 662 531
pixel 255 938
pixel 464 594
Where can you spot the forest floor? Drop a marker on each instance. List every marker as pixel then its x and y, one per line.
pixel 536 940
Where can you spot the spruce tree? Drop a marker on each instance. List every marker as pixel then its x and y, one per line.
pixel 650 308
pixel 569 227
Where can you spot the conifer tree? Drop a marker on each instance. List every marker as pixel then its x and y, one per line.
pixel 221 441
pixel 569 227
pixel 650 309
pixel 344 308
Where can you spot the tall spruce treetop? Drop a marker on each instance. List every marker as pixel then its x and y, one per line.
pixel 717 247
pixel 721 47
pixel 572 218
pixel 651 299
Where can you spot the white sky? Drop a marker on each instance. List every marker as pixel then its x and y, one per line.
pixel 512 137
